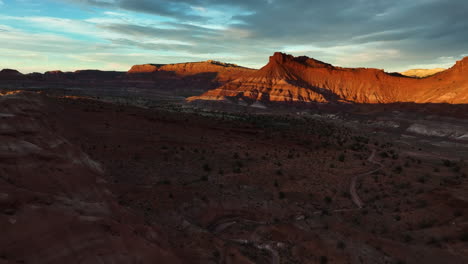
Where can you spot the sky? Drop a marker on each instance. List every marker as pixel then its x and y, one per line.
pixel 396 35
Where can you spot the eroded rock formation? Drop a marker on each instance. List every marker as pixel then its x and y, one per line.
pixel 301 79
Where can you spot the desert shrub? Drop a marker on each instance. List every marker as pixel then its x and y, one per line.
pixel 448 163
pixel 323 260
pixel 398 169
pixel 276 184
pixel 407 238
pixel 281 195
pixel 341 245
pixel 427 223
pixel 433 241
pixel 357 146
pixel 166 182
pixel 206 167
pixel 458 213
pixel 361 139
pixel 464 236
pixel 422 179
pixel 342 157
pixel 421 203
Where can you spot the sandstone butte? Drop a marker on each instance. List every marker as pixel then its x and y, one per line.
pixel 301 79
pixel 222 72
pixel 422 73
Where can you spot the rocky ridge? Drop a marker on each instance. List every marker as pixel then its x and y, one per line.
pixel 301 79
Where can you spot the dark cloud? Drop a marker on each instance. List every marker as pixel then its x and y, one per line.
pixel 419 29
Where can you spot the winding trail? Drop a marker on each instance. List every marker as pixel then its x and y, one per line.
pixel 352 188
pixel 271 246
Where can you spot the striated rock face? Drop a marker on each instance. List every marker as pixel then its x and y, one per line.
pixel 301 79
pixel 55 204
pixel 422 73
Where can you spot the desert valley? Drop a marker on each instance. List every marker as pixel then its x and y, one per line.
pixel 209 162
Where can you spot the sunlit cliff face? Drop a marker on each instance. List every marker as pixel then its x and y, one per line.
pixel 301 79
pixel 9 93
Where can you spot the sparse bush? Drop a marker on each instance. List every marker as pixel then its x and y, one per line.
pixel 166 182
pixel 398 169
pixel 342 157
pixel 464 236
pixel 206 167
pixel 447 163
pixel 427 223
pixel 276 184
pixel 407 238
pixel 458 213
pixel 323 260
pixel 421 203
pixel 433 241
pixel 341 245
pixel 422 179
pixel 281 195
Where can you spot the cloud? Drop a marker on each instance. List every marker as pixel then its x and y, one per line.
pixel 374 33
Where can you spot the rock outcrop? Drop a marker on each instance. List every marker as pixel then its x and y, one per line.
pixel 301 79
pixel 221 72
pixel 9 74
pixel 422 73
pixel 55 203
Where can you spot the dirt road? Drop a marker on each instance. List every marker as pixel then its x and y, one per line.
pixel 352 189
